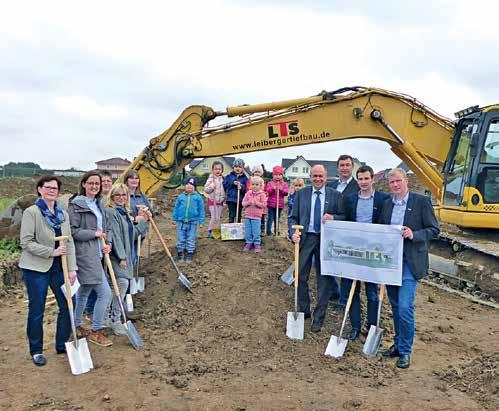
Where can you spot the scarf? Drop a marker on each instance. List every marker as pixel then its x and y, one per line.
pixel 55 219
pixel 124 213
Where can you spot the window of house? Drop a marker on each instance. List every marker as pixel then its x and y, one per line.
pixel 305 169
pixel 294 169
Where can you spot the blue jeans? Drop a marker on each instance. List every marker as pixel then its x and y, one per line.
pixel 271 220
pixel 252 234
pixel 101 305
pixel 402 301
pixel 355 312
pixel 37 285
pixel 186 236
pixel 92 298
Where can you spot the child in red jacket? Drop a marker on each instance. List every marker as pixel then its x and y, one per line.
pixel 254 203
pixel 276 190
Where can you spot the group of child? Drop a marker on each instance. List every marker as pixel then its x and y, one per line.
pixel 235 192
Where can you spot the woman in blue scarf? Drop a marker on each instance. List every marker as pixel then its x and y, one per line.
pixel 40 264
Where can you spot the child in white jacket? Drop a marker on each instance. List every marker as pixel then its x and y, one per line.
pixel 215 194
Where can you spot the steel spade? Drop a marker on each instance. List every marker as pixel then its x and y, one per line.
pixel 296 321
pixel 337 345
pixel 373 340
pixel 131 331
pixel 183 279
pixel 288 276
pixel 79 357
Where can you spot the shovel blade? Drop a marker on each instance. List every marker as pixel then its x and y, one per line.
pixel 141 284
pixel 373 341
pixel 288 276
pixel 134 289
pixel 133 336
pixel 185 281
pixel 129 303
pixel 336 347
pixel 79 358
pixel 295 326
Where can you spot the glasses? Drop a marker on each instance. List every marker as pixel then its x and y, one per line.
pixel 50 188
pixel 93 184
pixel 119 195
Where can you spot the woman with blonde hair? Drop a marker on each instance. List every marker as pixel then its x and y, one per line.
pixel 124 232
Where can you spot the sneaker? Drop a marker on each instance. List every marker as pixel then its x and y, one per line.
pixel 180 256
pixel 210 234
pixel 189 257
pixel 39 360
pixel 118 328
pixel 258 248
pixel 99 338
pixel 247 248
pixel 82 332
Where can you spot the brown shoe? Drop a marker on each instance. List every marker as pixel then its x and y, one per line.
pixel 99 338
pixel 82 332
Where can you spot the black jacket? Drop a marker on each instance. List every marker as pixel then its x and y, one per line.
pixel 352 187
pixel 350 203
pixel 420 218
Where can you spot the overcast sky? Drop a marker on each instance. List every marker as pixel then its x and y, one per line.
pixel 85 81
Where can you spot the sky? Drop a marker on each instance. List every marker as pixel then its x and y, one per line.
pixel 86 81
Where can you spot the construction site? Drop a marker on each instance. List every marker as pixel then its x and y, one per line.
pixel 224 346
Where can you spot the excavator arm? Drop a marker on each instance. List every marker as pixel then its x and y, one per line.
pixel 415 133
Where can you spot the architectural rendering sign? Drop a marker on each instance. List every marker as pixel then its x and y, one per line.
pixel 365 252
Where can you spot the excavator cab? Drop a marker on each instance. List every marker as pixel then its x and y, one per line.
pixel 471 172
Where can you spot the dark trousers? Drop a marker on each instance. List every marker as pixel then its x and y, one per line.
pixel 272 221
pixel 355 312
pixel 232 212
pixel 310 248
pixel 37 285
pixel 92 298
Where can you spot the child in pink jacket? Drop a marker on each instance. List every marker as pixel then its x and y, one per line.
pixel 254 203
pixel 214 191
pixel 277 184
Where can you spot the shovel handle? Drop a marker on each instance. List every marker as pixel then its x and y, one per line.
pixel 139 249
pixel 297 229
pixel 380 304
pixel 277 214
pixel 64 261
pixel 347 308
pixel 109 265
pixel 160 237
pixel 237 205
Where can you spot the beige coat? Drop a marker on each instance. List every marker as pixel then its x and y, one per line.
pixel 37 241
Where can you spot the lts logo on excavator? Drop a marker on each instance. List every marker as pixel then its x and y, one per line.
pixel 283 129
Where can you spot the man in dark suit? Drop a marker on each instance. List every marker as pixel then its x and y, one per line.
pixel 313 206
pixel 346 184
pixel 363 207
pixel 414 213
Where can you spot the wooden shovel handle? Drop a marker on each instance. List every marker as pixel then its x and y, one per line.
pixel 297 229
pixel 160 237
pixel 237 204
pixel 64 260
pixel 109 265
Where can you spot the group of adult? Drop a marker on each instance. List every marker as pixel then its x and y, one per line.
pixel 356 200
pixel 100 211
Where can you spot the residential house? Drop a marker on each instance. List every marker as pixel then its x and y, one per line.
pixel 203 166
pixel 116 166
pixel 299 167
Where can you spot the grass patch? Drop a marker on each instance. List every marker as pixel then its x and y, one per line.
pixel 5 202
pixel 9 249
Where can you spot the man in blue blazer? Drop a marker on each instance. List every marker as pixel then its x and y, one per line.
pixel 345 184
pixel 313 206
pixel 363 207
pixel 414 213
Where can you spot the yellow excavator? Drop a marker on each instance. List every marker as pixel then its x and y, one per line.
pixel 458 161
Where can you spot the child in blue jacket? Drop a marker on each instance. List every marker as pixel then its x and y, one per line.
pixel 188 213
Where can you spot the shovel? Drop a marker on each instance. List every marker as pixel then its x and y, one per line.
pixel 139 281
pixel 131 331
pixel 295 324
pixel 373 340
pixel 79 357
pixel 337 345
pixel 288 276
pixel 183 279
pixel 277 215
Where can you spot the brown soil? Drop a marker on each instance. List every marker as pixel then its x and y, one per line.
pixel 224 347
